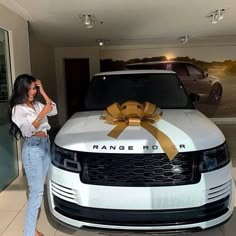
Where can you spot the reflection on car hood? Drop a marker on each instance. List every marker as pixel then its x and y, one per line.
pixel 188 130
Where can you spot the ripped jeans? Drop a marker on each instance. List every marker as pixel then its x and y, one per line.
pixel 36 159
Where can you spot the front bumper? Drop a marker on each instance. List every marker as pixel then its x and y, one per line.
pixel 199 206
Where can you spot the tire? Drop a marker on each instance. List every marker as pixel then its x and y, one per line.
pixel 215 94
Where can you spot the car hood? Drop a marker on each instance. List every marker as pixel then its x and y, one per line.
pixel 189 130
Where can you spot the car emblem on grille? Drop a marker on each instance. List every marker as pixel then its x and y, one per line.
pixel 176 170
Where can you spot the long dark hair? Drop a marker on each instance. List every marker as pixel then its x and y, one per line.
pixel 19 96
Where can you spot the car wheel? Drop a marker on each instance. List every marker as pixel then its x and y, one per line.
pixel 215 94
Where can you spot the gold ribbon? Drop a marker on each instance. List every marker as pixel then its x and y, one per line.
pixel 132 113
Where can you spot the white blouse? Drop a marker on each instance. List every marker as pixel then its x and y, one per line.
pixel 23 116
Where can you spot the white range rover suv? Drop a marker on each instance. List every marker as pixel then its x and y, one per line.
pixel 131 181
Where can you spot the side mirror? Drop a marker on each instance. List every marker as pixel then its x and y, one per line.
pixel 194 97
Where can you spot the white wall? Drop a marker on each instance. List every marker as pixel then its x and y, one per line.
pixel 92 53
pixel 19 48
pixel 43 68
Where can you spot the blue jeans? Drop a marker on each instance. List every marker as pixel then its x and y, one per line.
pixel 36 159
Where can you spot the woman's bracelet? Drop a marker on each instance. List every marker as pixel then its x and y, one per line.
pixel 39 119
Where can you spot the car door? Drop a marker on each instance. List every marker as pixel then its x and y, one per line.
pixel 192 77
pixel 182 72
pixel 199 83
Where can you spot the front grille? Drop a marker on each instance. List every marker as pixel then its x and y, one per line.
pixel 138 169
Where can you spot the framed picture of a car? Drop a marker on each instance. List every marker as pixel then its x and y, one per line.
pixel 194 78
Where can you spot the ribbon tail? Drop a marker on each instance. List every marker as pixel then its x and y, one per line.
pixel 115 132
pixel 165 142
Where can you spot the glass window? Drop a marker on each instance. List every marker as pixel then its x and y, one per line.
pixel 164 90
pixel 8 153
pixel 160 66
pixel 180 69
pixel 194 71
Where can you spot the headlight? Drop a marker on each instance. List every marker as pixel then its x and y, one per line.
pixel 65 159
pixel 214 158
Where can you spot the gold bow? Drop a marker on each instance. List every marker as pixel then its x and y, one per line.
pixel 132 113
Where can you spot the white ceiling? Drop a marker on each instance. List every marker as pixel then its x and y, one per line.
pixel 127 22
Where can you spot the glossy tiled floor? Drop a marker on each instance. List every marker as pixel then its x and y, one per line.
pixel 13 202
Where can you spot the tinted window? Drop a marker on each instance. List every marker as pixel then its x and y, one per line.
pixel 164 90
pixel 139 66
pixel 194 71
pixel 158 66
pixel 161 66
pixel 179 69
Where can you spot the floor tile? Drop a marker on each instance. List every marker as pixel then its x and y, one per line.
pixel 6 218
pixel 14 197
pixel 46 224
pixel 16 227
pixel 62 231
pixel 13 200
pixel 229 229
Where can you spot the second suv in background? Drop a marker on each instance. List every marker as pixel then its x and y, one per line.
pixel 194 79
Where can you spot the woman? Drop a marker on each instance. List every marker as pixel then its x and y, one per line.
pixel 29 121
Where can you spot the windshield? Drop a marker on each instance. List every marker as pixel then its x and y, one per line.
pixel 163 90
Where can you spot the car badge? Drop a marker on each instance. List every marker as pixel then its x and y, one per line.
pixel 176 170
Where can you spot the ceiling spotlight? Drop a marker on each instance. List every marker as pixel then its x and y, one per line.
pixel 101 42
pixel 216 15
pixel 90 25
pixel 183 39
pixel 220 14
pixel 214 18
pixel 88 20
